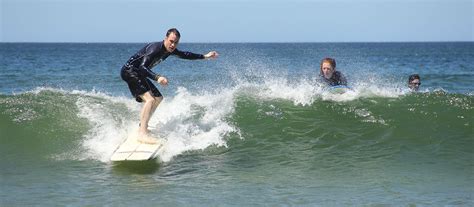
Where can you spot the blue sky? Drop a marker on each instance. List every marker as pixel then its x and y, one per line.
pixel 237 20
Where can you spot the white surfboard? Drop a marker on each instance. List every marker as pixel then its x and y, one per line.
pixel 132 150
pixel 339 89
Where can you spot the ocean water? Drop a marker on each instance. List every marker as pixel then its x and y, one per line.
pixel 253 127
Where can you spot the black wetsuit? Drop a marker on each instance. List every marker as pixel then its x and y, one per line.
pixel 336 79
pixel 137 71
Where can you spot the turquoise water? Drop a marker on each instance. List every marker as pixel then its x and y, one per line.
pixel 253 127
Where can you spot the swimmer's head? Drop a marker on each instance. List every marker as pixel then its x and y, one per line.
pixel 414 82
pixel 327 67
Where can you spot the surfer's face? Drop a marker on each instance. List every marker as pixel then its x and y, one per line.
pixel 327 70
pixel 171 42
pixel 414 84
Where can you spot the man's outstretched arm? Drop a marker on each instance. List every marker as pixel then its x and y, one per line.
pixel 194 56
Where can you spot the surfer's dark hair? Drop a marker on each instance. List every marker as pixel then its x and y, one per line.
pixel 413 77
pixel 175 31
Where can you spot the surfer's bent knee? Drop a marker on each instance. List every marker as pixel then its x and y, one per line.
pixel 148 97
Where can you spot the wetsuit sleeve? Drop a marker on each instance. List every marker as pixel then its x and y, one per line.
pixel 187 55
pixel 145 71
pixel 147 59
pixel 342 80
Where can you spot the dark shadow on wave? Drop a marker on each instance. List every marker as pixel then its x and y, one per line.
pixel 136 167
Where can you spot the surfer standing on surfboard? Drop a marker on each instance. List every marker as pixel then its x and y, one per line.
pixel 137 73
pixel 329 74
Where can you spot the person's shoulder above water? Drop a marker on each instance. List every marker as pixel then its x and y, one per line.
pixel 338 79
pixel 329 74
pixel 154 47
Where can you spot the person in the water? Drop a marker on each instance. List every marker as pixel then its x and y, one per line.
pixel 414 82
pixel 329 74
pixel 137 73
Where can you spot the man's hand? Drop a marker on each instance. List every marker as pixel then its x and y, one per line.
pixel 212 54
pixel 162 81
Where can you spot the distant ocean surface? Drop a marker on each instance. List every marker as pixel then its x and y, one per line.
pixel 253 127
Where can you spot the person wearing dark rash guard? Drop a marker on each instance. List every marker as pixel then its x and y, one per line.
pixel 329 74
pixel 138 75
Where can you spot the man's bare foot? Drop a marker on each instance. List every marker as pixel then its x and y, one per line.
pixel 147 130
pixel 146 139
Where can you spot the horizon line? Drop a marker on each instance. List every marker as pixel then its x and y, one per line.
pixel 282 42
